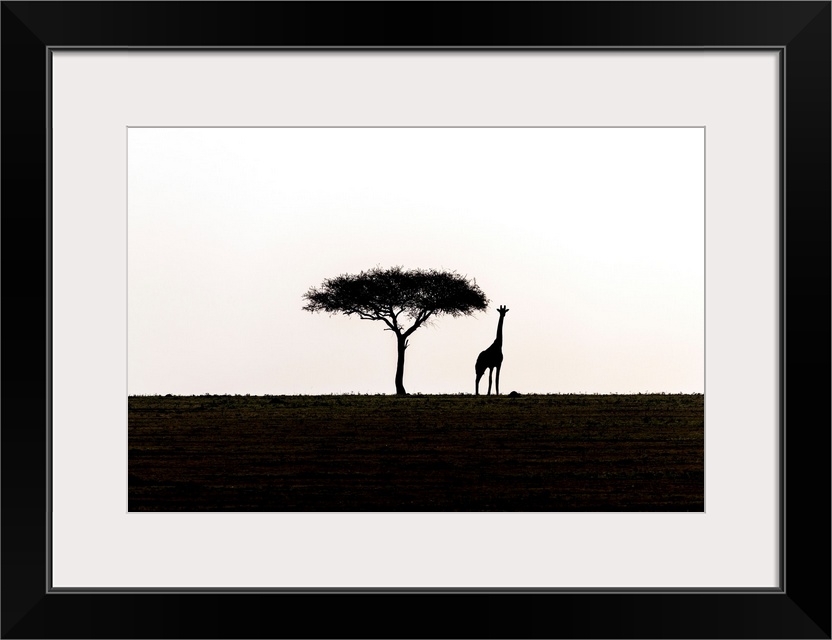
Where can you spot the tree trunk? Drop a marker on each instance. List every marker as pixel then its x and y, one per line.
pixel 401 346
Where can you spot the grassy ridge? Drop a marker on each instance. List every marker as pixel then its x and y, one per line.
pixel 417 453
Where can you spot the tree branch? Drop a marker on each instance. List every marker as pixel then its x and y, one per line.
pixel 367 316
pixel 420 319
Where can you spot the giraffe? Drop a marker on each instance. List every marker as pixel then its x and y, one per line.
pixel 492 357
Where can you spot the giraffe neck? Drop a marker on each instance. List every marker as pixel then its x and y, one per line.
pixel 499 340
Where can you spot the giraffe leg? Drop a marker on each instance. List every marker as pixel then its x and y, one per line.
pixel 477 384
pixel 490 371
pixel 498 379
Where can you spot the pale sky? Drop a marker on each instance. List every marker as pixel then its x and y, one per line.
pixel 592 237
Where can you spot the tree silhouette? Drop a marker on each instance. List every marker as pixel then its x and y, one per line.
pixel 395 295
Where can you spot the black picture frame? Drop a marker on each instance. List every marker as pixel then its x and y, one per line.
pixel 800 31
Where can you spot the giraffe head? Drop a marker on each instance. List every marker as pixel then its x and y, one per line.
pixel 502 310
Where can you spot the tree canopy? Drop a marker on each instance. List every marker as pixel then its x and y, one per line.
pixel 395 296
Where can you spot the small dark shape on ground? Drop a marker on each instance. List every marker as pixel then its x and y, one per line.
pixel 514 394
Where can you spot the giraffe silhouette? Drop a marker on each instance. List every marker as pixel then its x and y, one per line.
pixel 492 358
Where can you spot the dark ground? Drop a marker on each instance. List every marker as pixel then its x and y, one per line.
pixel 416 453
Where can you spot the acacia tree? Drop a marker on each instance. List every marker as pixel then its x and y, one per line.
pixel 395 296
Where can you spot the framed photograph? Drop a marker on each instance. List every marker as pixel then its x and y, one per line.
pixel 241 401
pixel 617 213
